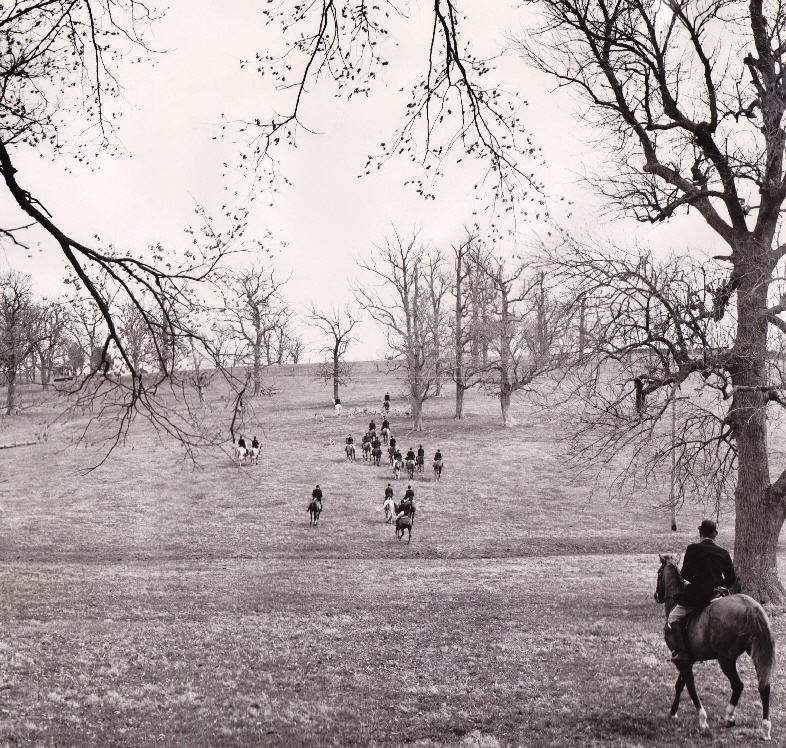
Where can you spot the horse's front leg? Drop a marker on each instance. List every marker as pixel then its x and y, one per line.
pixel 675 705
pixel 686 673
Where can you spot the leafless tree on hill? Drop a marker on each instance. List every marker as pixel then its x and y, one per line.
pixel 20 331
pixel 399 302
pixel 254 314
pixel 526 327
pixel 338 324
pixel 472 296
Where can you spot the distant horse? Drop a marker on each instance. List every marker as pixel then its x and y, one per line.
pixel 411 468
pixel 391 452
pixel 366 446
pixel 385 435
pixel 437 469
pixel 722 631
pixel 397 469
pixel 314 509
pixel 240 454
pixel 390 512
pixel 350 450
pixel 376 455
pixel 404 523
pixel 253 454
pixel 419 460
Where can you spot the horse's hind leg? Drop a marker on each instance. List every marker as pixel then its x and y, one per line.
pixel 675 705
pixel 729 668
pixel 766 725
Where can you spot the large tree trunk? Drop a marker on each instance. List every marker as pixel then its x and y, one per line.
pixel 504 401
pixel 10 403
pixel 759 513
pixel 335 372
pixel 257 369
pixel 417 413
pixel 460 390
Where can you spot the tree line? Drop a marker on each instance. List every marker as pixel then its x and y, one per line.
pixel 63 339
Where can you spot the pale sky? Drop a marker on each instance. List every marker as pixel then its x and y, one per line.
pixel 174 154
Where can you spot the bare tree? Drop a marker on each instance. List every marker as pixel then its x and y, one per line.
pixel 337 324
pixel 472 296
pixel 691 100
pixel 20 330
pixel 400 304
pixel 527 328
pixel 253 311
pixel 51 347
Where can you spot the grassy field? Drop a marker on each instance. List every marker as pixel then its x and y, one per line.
pixel 152 603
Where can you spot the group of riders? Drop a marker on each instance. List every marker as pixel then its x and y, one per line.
pixel 372 446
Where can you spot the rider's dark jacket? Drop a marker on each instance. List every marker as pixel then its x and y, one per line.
pixel 706 566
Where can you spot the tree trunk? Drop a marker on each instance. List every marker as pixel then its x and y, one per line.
pixel 10 403
pixel 417 413
pixel 759 514
pixel 257 368
pixel 504 401
pixel 460 390
pixel 335 373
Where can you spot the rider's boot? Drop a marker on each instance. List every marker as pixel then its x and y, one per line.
pixel 680 652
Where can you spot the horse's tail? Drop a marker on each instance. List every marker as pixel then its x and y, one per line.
pixel 762 644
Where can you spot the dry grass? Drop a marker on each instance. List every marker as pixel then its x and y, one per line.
pixel 148 603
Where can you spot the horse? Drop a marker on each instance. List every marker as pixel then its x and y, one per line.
pixel 411 469
pixel 419 460
pixel 366 446
pixel 437 469
pixel 376 455
pixel 722 631
pixel 350 450
pixel 391 452
pixel 389 506
pixel 240 454
pixel 407 508
pixel 314 509
pixel 253 453
pixel 404 523
pixel 385 435
pixel 397 469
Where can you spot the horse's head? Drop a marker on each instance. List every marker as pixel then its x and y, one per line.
pixel 670 581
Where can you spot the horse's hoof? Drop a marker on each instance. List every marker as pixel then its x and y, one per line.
pixel 766 729
pixel 731 722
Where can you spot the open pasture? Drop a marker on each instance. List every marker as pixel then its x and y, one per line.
pixel 151 603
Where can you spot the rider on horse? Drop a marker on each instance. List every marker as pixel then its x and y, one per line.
pixel 706 566
pixel 350 440
pixel 388 492
pixel 438 455
pixel 255 443
pixel 241 442
pixel 411 455
pixel 316 495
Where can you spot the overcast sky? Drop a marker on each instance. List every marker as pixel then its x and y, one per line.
pixel 173 157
